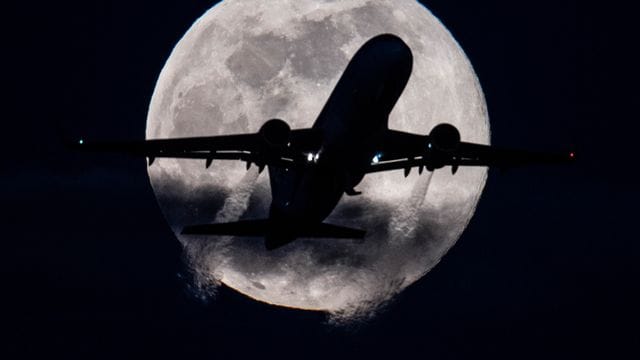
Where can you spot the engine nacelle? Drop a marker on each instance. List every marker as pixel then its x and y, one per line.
pixel 445 137
pixel 275 133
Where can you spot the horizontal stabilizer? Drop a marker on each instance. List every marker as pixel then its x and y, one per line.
pixel 238 228
pixel 265 227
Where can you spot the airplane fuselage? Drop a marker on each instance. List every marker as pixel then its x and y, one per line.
pixel 350 125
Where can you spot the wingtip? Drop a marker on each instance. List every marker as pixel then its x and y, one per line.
pixel 76 144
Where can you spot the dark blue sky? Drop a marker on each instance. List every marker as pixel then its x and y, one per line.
pixel 547 267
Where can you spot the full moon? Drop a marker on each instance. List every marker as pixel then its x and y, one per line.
pixel 244 62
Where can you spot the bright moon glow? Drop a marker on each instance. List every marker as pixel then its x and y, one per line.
pixel 244 62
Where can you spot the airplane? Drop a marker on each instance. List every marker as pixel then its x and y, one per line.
pixel 310 169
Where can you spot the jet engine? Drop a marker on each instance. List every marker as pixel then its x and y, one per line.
pixel 275 133
pixel 445 137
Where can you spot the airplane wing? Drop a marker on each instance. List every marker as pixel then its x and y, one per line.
pixel 442 147
pixel 274 144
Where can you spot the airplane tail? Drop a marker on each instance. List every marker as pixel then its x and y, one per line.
pixel 275 235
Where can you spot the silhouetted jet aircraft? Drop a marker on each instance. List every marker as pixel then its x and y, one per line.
pixel 310 169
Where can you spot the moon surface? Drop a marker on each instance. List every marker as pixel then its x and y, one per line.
pixel 244 62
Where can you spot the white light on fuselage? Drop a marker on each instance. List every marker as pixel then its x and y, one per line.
pixel 376 158
pixel 309 157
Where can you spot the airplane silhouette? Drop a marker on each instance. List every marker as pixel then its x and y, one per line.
pixel 310 169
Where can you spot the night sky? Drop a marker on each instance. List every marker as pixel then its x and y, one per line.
pixel 548 266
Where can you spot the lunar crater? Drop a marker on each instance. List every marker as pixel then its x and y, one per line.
pixel 266 52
